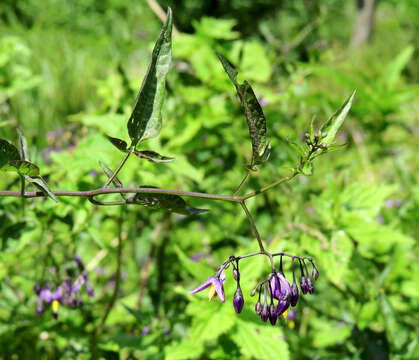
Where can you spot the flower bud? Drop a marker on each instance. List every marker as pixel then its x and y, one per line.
pixel 236 274
pixel 315 273
pixel 303 285
pixel 272 314
pixel 253 291
pixel 310 286
pixel 238 300
pixel 258 308
pixel 265 312
pixel 294 294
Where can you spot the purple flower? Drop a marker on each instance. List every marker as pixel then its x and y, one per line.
pixel 263 102
pixel 146 330
pixel 46 296
pixel 216 284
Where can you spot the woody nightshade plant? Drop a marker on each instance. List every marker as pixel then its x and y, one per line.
pixel 145 122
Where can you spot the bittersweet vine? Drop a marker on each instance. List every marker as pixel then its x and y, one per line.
pixel 274 294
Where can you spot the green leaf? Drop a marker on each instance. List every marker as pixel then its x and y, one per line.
pixel 23 145
pixel 8 152
pixel 171 203
pixel 118 143
pixel 254 115
pixel 331 126
pixel 145 120
pixel 40 183
pixel 152 156
pixel 393 70
pixel 183 350
pixel 193 267
pixel 297 148
pixel 307 169
pixel 22 167
pixel 260 341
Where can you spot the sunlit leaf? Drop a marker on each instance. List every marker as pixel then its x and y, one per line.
pixel 171 203
pixel 118 143
pixel 152 156
pixel 254 115
pixel 22 167
pixel 145 120
pixel 40 183
pixel 333 124
pixel 8 152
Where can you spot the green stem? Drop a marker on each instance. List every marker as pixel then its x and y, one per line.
pixel 115 293
pixel 253 226
pixel 118 169
pixel 241 184
pixel 270 186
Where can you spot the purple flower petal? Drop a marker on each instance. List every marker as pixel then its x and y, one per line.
pixel 214 281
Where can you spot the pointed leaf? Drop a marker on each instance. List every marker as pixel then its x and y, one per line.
pixel 118 143
pixel 145 120
pixel 171 203
pixel 23 146
pixel 40 183
pixel 8 152
pixel 331 126
pixel 254 115
pixel 22 167
pixel 297 148
pixel 152 156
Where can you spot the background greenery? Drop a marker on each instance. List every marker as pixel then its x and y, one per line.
pixel 70 71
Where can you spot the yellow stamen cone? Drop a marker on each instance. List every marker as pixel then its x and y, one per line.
pixel 285 314
pixel 55 305
pixel 211 293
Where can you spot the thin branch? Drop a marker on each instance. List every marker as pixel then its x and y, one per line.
pixel 268 187
pixel 146 190
pixel 253 226
pixel 117 169
pixel 242 183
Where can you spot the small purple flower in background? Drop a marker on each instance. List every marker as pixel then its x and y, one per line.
pixel 390 203
pixel 46 296
pixel 197 256
pixel 263 101
pixel 67 293
pixel 380 219
pixel 146 330
pixel 216 284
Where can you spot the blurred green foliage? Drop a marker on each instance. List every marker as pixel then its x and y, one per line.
pixel 69 73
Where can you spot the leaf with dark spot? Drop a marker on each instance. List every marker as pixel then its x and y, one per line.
pixel 152 156
pixel 145 120
pixel 118 143
pixel 22 167
pixel 41 184
pixel 255 117
pixel 8 152
pixel 171 203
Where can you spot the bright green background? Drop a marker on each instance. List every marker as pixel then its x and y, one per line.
pixel 356 216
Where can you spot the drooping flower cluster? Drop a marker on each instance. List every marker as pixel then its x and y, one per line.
pixel 67 293
pixel 278 293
